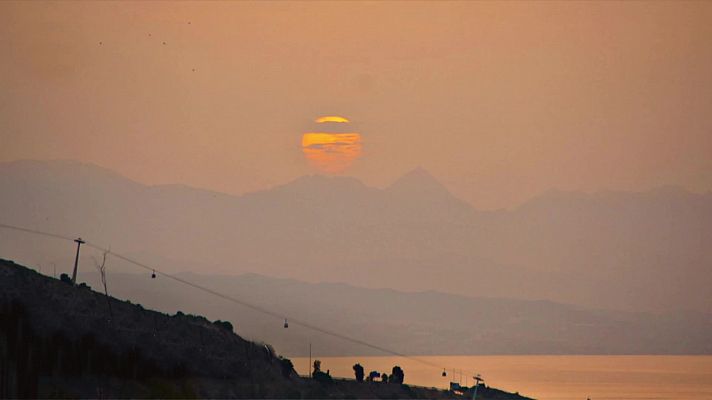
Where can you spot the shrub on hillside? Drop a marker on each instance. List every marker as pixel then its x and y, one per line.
pixel 65 278
pixel 287 366
pixel 397 375
pixel 358 372
pixel 322 377
pixel 224 325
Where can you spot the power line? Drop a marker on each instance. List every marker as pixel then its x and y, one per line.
pixel 253 306
pixel 232 299
pixel 28 230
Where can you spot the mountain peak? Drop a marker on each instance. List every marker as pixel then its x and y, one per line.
pixel 419 187
pixel 418 180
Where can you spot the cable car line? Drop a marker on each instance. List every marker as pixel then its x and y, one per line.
pixel 28 230
pixel 155 272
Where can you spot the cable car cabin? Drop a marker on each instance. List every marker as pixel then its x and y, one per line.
pixel 286 324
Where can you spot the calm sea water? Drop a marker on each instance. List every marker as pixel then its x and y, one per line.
pixel 552 377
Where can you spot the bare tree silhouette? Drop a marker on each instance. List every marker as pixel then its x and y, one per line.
pixel 101 267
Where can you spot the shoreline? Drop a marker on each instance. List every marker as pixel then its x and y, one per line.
pixel 558 376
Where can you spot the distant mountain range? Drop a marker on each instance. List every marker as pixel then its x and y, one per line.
pixel 412 322
pixel 648 251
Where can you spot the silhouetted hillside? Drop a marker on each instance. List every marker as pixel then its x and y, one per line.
pixel 58 340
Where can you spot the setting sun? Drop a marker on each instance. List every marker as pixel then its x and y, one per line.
pixel 331 118
pixel 331 152
pixel 331 149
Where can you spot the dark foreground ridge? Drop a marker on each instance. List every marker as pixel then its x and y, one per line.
pixel 61 341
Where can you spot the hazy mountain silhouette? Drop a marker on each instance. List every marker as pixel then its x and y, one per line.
pixel 415 322
pixel 629 251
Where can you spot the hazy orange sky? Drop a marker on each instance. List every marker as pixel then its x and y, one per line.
pixel 500 101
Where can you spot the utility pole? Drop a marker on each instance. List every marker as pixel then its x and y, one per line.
pixel 310 366
pixel 478 379
pixel 79 242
